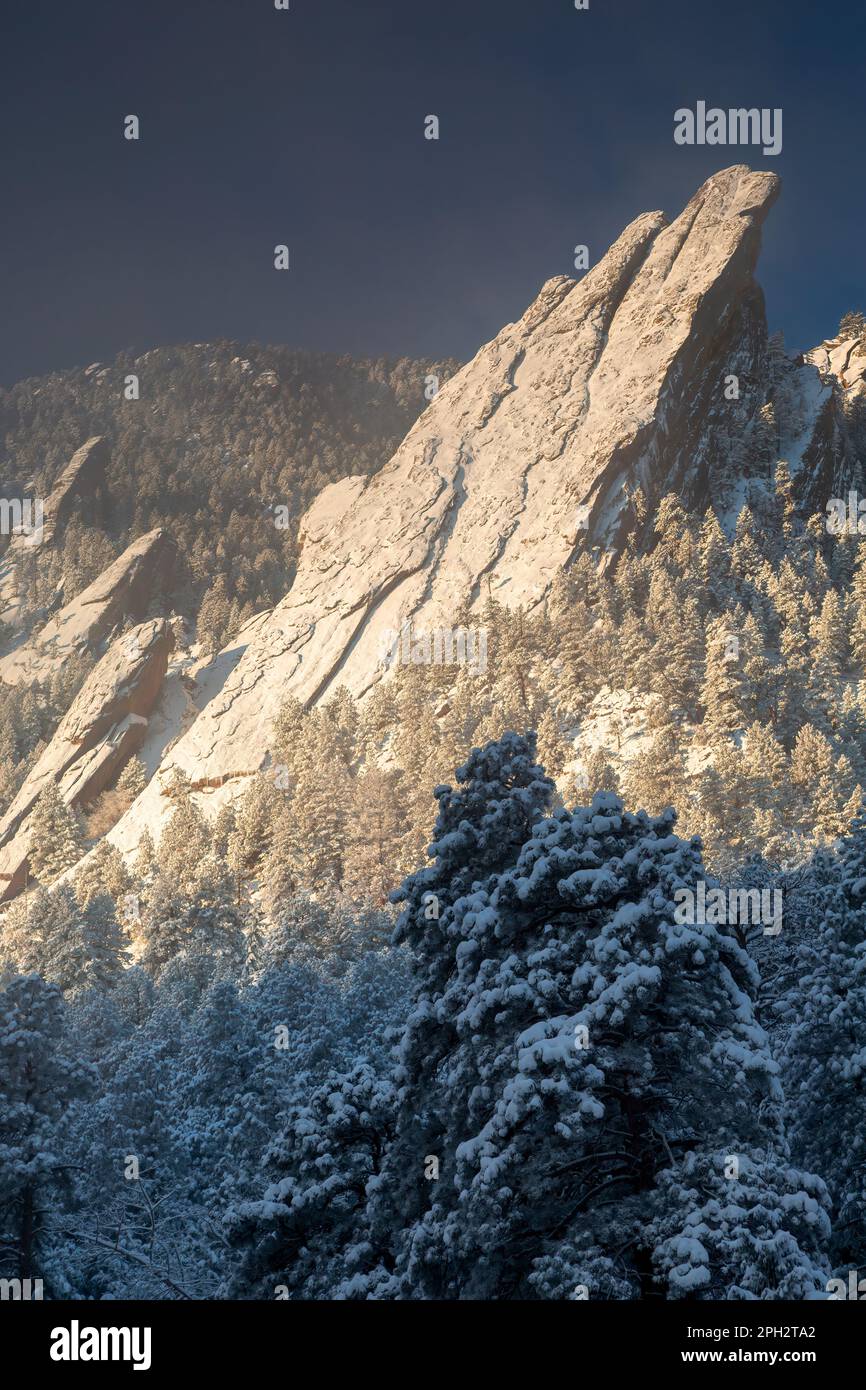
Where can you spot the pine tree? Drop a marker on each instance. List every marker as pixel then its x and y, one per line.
pixel 501 791
pixel 522 1068
pixel 40 1079
pixel 831 654
pixel 227 1089
pixel 56 837
pixel 714 559
pixel 286 734
pixel 725 805
pixel 576 1069
pixel 824 783
pixel 554 749
pixel 342 711
pixel 765 770
pixel 257 811
pixel 598 776
pixel 656 777
pixel 374 831
pixel 785 503
pixel 133 779
pixel 214 617
pixel 144 864
pixel 83 947
pixel 378 718
pixel 672 526
pixel 746 557
pixel 184 842
pixel 722 693
pixel 103 871
pixel 857 614
pixel 823 1057
pixel 309 832
pixel 330 1149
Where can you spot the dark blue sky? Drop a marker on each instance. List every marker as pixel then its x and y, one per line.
pixel 306 127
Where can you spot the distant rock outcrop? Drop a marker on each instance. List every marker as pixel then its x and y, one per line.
pixel 80 486
pixel 830 451
pixel 103 727
pixel 121 592
pixel 83 479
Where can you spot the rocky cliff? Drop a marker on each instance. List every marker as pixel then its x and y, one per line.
pixel 103 727
pixel 123 591
pixel 81 484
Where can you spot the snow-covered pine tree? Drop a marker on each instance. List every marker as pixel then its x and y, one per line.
pixel 57 840
pixel 599 776
pixel 580 1044
pixel 501 792
pixel 185 841
pixel 824 1058
pixel 144 865
pixel 724 696
pixel 79 947
pixel 656 777
pixel 578 1069
pixel 309 1233
pixel 831 654
pixel 103 871
pixel 214 617
pixel 309 826
pixel 133 778
pixel 40 1078
pixel 554 748
pixel 227 1089
pixel 248 843
pixel 827 792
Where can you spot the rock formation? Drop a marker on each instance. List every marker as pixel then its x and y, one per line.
pixel 82 482
pixel 645 375
pixel 122 591
pixel 103 727
pixel 83 479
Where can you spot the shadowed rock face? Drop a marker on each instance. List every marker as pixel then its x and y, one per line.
pixel 83 479
pixel 80 486
pixel 122 591
pixel 829 457
pixel 604 384
pixel 104 726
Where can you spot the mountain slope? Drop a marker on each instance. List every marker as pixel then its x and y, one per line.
pixel 221 434
pixel 604 385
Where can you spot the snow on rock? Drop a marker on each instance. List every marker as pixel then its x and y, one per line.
pixel 188 688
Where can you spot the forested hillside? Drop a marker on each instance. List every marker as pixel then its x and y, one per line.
pixel 220 435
